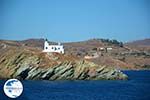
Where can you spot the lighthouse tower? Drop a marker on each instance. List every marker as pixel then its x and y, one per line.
pixel 53 48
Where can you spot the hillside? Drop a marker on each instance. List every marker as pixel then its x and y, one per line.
pixel 29 63
pixel 141 45
pixel 145 42
pixel 122 56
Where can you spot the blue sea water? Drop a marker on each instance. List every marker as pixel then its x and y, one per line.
pixel 136 88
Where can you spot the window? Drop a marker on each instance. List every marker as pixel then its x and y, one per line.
pixel 46 47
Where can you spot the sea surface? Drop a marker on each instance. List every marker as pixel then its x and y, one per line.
pixel 136 88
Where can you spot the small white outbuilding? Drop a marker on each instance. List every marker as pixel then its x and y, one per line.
pixel 109 48
pixel 53 48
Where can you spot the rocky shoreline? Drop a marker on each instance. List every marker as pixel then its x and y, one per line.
pixel 33 65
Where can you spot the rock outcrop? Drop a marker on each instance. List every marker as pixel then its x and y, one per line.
pixel 29 64
pixel 129 56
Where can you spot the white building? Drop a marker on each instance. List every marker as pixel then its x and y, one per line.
pixel 109 48
pixel 53 48
pixel 101 49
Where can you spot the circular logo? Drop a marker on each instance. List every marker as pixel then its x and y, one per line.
pixel 13 88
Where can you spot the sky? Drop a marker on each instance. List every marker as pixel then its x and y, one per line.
pixel 75 20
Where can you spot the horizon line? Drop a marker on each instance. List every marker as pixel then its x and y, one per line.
pixel 73 41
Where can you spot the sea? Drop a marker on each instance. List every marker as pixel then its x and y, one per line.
pixel 137 87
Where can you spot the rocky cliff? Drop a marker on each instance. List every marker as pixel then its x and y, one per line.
pixel 129 56
pixel 35 65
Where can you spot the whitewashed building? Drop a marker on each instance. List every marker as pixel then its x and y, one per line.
pixel 109 48
pixel 53 48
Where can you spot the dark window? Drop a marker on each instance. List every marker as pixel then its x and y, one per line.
pixel 46 47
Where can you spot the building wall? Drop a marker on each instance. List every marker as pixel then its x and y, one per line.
pixel 53 48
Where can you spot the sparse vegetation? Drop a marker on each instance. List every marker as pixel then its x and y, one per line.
pixel 94 49
pixel 115 42
pixel 120 55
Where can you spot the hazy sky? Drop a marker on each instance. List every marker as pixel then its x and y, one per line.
pixel 74 20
